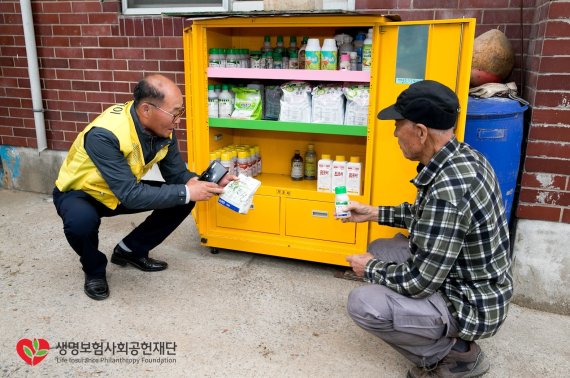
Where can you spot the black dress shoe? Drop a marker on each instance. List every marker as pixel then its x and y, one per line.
pixel 122 257
pixel 96 288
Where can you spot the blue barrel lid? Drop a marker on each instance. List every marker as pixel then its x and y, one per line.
pixel 493 106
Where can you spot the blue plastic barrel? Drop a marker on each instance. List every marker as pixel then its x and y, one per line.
pixel 494 127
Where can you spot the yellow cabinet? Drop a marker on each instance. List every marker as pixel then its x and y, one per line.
pixel 290 218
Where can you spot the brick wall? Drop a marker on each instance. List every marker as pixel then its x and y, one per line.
pixel 545 185
pixel 90 56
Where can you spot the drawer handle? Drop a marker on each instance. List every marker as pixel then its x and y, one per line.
pixel 320 214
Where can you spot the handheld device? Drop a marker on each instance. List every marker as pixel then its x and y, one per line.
pixel 214 173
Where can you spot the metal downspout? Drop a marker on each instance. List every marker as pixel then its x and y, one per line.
pixel 34 73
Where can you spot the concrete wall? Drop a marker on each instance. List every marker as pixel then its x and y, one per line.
pixel 542 267
pixel 26 169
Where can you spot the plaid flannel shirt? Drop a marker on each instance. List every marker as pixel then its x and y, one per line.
pixel 459 241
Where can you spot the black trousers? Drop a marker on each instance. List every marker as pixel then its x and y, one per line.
pixel 81 215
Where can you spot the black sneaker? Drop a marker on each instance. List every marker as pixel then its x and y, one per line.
pixel 470 364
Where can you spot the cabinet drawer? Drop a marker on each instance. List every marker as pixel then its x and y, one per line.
pixel 262 217
pixel 315 220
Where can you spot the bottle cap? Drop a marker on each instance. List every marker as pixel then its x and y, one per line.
pixel 329 44
pixel 325 156
pixel 310 146
pixel 313 44
pixel 226 156
pixel 340 158
pixel 340 190
pixel 355 159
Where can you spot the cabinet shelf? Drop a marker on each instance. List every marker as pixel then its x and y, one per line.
pixel 299 127
pixel 282 74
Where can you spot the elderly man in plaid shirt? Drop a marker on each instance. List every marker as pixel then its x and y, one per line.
pixel 449 283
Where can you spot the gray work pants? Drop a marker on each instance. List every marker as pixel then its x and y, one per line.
pixel 423 330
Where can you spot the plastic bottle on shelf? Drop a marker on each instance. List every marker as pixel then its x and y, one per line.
pixel 310 170
pixel 212 102
pixel 266 44
pixel 341 200
pixel 277 59
pixel 344 64
pixel 313 54
pixel 297 166
pixel 293 45
pixel 354 176
pixel 258 157
pixel 222 54
pixel 280 45
pixel 301 53
pixel 225 103
pixel 346 44
pixel 218 89
pixel 255 59
pixel 233 59
pixel 324 174
pixel 293 60
pixel 367 52
pixel 267 60
pixel 245 58
pixel 226 161
pixel 329 55
pixel 252 161
pixel 214 59
pixel 353 61
pixel 358 43
pixel 243 167
pixel 338 171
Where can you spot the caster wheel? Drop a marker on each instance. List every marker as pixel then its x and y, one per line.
pixel 214 251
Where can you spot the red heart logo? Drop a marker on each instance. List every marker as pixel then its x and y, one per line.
pixel 32 352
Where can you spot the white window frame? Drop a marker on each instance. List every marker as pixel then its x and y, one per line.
pixel 230 5
pixel 159 10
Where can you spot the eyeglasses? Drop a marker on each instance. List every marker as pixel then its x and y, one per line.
pixel 175 117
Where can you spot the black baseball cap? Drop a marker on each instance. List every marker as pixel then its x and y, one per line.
pixel 427 102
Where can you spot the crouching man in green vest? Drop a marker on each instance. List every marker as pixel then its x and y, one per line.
pixel 102 177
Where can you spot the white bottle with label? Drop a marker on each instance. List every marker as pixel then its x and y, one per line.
pixel 341 201
pixel 313 54
pixel 367 52
pixel 353 176
pixel 338 172
pixel 329 55
pixel 225 103
pixel 324 174
pixel 212 102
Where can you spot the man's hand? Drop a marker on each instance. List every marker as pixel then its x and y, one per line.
pixel 226 180
pixel 358 262
pixel 202 190
pixel 361 213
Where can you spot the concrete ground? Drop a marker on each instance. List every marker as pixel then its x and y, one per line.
pixel 231 315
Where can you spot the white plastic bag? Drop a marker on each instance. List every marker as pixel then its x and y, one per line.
pixel 238 194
